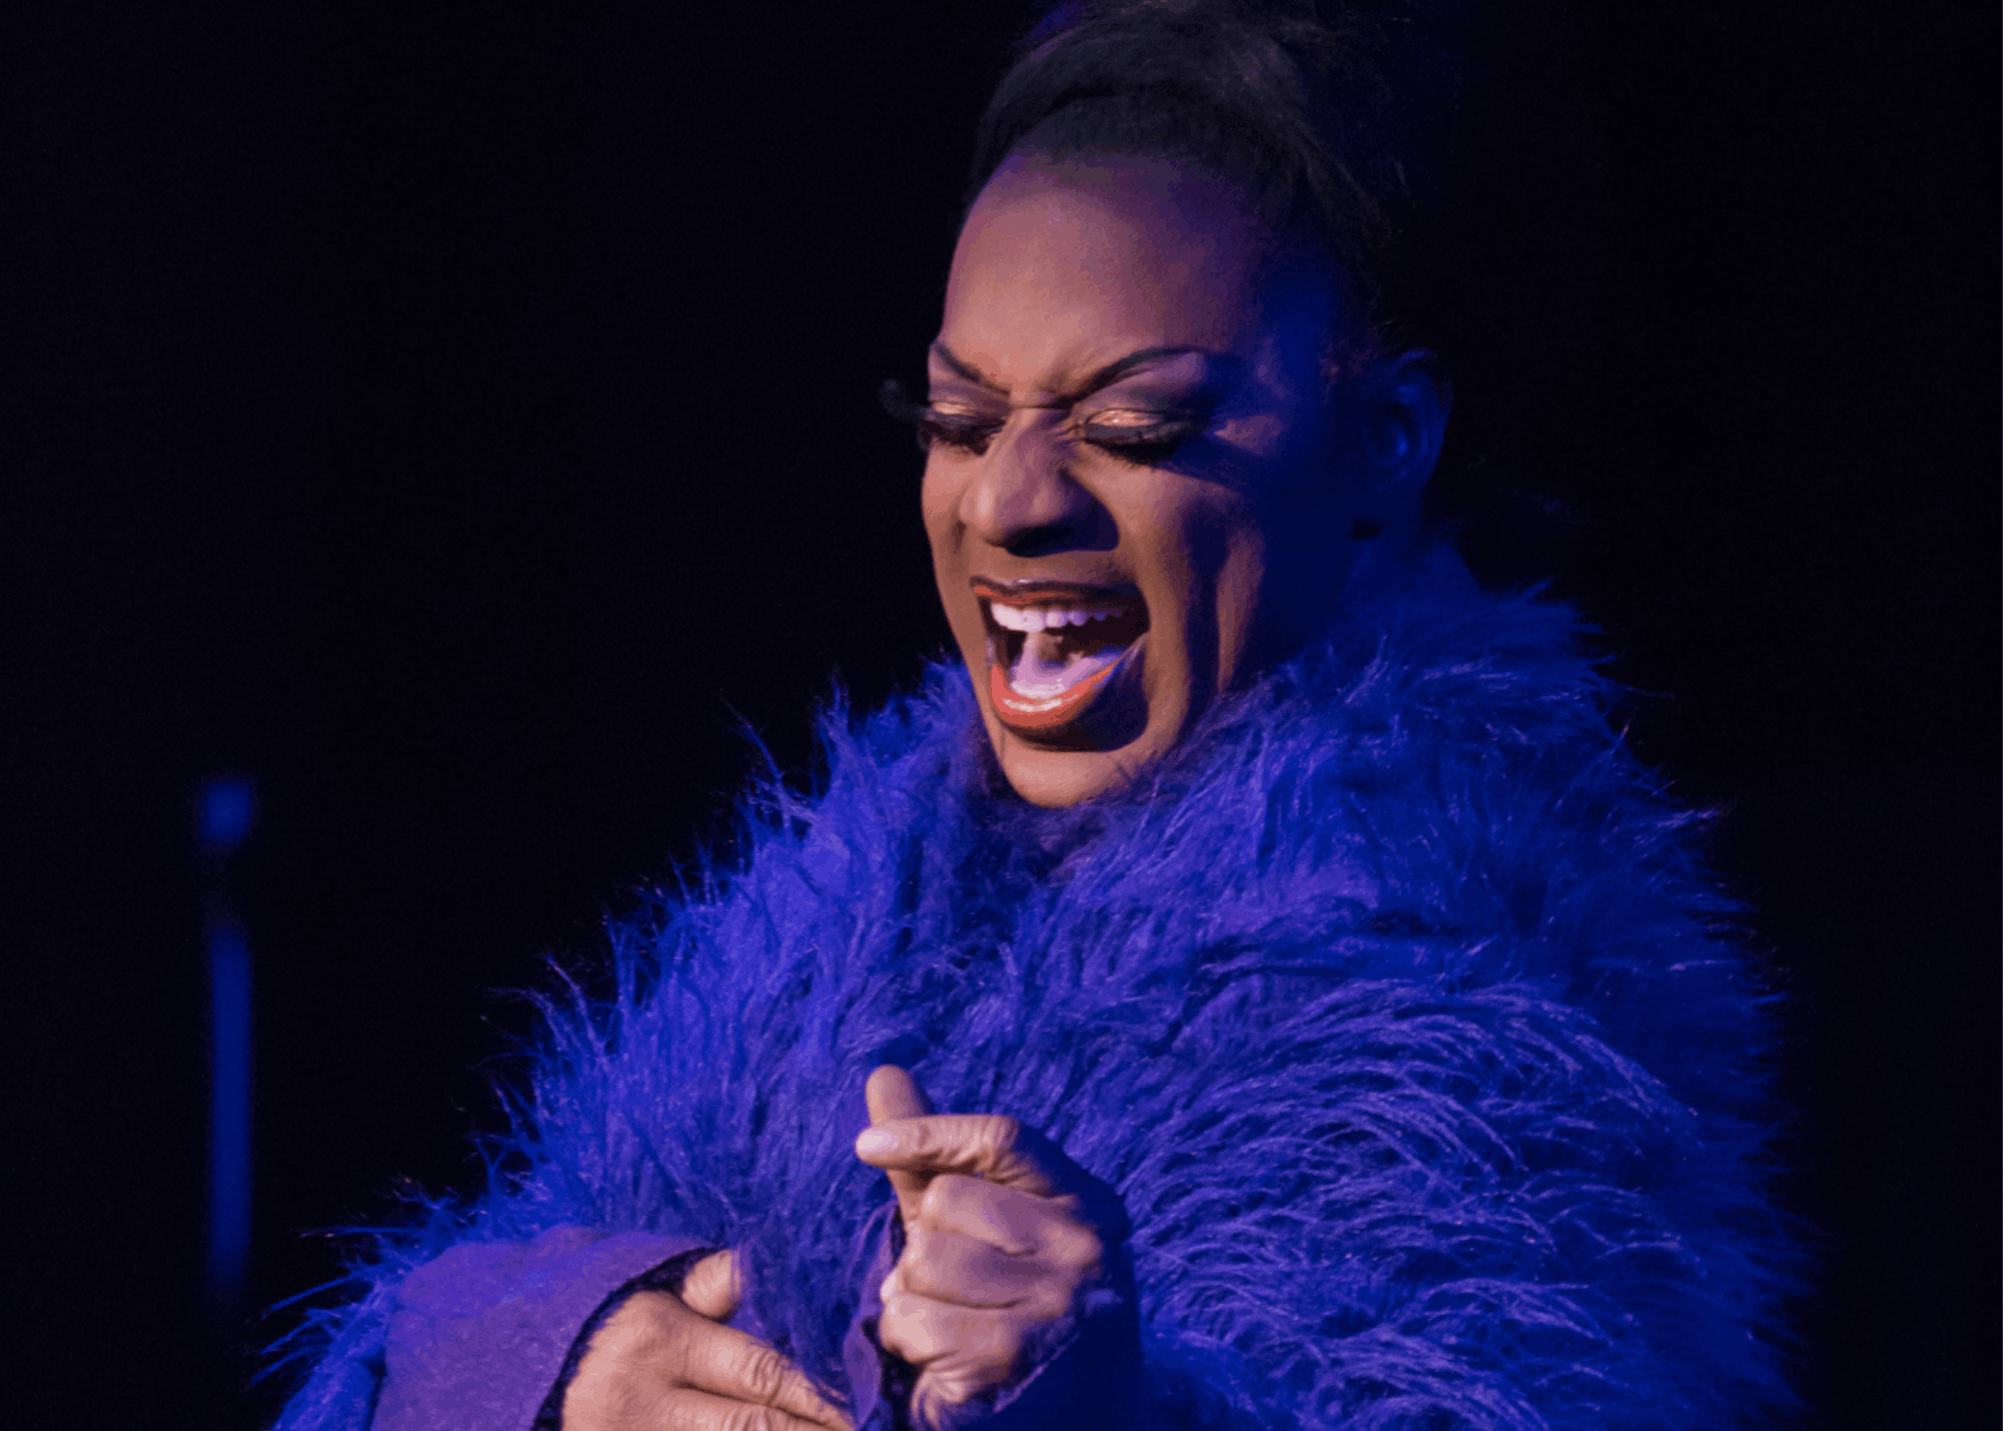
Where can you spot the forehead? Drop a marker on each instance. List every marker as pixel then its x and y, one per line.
pixel 1064 267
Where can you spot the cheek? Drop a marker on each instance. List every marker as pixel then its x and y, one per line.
pixel 1239 584
pixel 1201 553
pixel 939 501
pixel 932 501
pixel 1240 588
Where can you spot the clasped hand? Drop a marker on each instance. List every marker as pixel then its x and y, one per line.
pixel 667 1362
pixel 999 1249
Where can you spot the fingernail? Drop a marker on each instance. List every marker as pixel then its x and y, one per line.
pixel 874 1142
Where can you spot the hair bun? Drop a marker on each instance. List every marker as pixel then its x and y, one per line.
pixel 1331 117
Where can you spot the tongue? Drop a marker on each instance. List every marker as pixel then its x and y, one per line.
pixel 1046 669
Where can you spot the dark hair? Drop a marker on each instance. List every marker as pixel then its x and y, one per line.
pixel 1410 146
pixel 1332 125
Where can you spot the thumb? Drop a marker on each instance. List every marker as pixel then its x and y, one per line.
pixel 893 1093
pixel 714 1287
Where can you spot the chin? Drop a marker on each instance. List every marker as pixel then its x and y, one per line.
pixel 1129 723
pixel 1054 779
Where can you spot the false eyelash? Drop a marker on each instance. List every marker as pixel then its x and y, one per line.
pixel 1150 445
pixel 1146 446
pixel 962 434
pixel 932 427
pixel 967 434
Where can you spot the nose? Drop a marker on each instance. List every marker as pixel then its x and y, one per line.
pixel 1023 497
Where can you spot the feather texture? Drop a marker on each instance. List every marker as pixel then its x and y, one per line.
pixel 1396 1007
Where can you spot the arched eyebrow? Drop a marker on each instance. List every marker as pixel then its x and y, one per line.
pixel 1102 377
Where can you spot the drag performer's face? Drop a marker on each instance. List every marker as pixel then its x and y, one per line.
pixel 1140 486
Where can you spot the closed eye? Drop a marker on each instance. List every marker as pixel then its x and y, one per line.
pixel 1142 437
pixel 961 431
pixel 1145 442
pixel 1134 435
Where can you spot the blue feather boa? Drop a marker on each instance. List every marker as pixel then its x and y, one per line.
pixel 1396 1007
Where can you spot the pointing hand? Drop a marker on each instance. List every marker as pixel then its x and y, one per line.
pixel 998 1246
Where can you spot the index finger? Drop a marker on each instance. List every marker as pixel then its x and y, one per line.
pixel 982 1145
pixel 734 1364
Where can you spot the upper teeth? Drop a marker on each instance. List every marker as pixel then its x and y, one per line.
pixel 1048 618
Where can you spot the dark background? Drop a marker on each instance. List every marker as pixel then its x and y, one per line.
pixel 458 416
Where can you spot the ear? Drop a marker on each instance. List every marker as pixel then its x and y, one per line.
pixel 1409 399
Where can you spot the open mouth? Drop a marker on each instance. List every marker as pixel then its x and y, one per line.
pixel 1053 649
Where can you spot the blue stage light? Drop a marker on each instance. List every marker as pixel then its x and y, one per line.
pixel 229 1112
pixel 226 809
pixel 227 806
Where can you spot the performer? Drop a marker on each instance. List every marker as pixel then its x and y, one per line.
pixel 1330 1024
